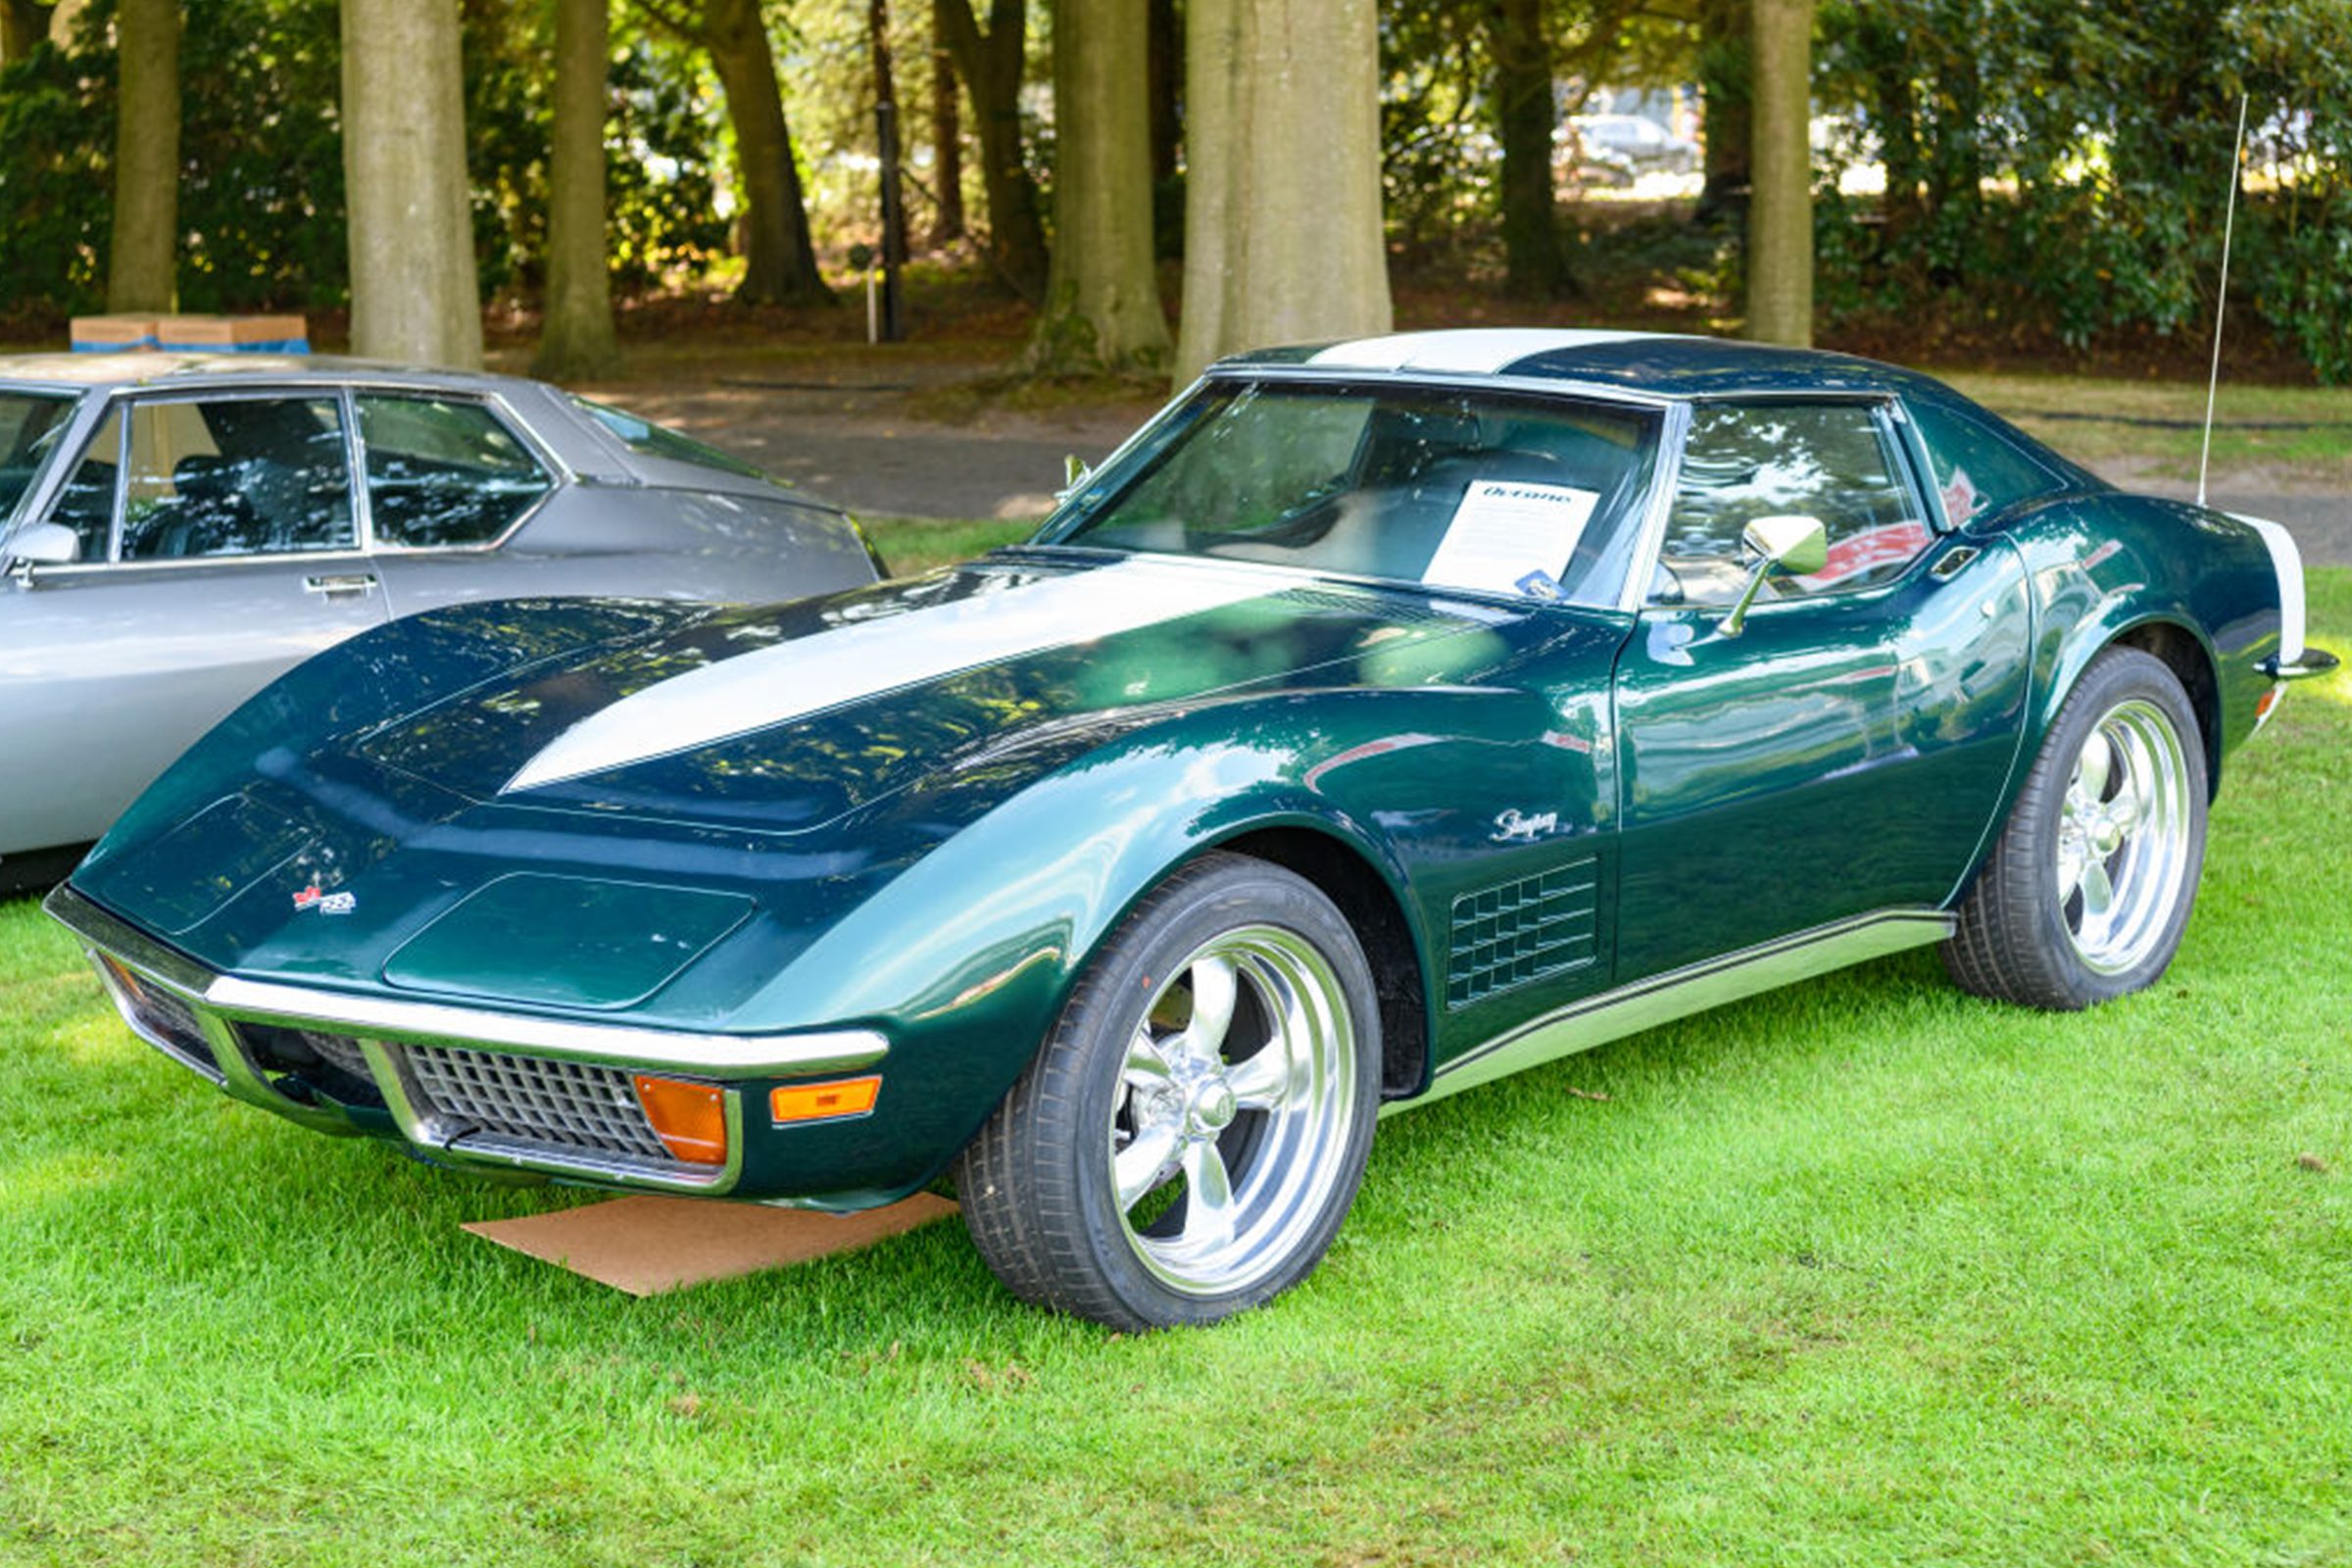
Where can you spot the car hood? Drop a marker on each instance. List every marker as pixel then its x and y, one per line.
pixel 784 718
pixel 535 773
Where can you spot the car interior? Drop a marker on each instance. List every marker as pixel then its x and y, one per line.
pixel 1743 461
pixel 1372 487
pixel 235 478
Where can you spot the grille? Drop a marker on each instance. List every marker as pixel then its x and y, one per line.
pixel 162 1017
pixel 1521 931
pixel 557 1104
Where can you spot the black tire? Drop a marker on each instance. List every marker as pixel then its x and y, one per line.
pixel 1040 1191
pixel 2023 937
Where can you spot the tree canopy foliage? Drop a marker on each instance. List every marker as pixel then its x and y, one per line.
pixel 2052 172
pixel 2049 163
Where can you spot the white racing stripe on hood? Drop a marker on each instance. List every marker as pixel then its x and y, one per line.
pixel 1470 350
pixel 866 659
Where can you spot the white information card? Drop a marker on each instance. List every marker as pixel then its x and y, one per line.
pixel 1509 537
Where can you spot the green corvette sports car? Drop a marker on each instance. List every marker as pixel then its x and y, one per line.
pixel 1381 718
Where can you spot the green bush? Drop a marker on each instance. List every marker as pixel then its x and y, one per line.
pixel 2062 167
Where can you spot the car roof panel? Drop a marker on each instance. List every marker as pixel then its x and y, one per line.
pixel 145 367
pixel 1650 363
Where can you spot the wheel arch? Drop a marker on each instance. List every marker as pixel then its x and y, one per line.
pixel 2184 653
pixel 2167 636
pixel 1383 922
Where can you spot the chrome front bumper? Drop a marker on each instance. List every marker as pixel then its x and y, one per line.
pixel 542 1095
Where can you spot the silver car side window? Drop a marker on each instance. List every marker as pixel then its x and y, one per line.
pixel 236 476
pixel 87 503
pixel 444 472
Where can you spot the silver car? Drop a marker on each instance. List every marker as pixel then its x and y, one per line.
pixel 177 530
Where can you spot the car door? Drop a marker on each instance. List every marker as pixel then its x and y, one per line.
pixel 1842 753
pixel 447 482
pixel 220 547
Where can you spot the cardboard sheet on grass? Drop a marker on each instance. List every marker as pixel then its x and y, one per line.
pixel 646 1245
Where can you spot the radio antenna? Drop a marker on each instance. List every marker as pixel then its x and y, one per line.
pixel 2221 301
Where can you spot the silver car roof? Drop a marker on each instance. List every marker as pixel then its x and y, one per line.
pixel 141 368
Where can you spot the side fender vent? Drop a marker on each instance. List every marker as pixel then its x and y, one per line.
pixel 1521 931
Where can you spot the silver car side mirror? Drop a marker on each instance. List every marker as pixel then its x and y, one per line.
pixel 1073 474
pixel 1792 543
pixel 43 544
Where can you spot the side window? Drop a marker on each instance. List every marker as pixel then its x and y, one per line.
pixel 1745 460
pixel 86 504
pixel 444 472
pixel 1979 469
pixel 236 476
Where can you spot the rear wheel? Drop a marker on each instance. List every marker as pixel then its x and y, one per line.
pixel 1187 1143
pixel 2089 889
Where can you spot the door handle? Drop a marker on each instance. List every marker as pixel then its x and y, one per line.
pixel 338 585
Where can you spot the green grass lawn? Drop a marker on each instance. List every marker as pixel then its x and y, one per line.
pixel 1862 1273
pixel 910 545
pixel 2298 436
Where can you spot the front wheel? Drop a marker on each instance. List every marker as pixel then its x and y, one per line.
pixel 1188 1141
pixel 2087 891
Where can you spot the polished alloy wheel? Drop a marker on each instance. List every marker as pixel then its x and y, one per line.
pixel 2123 831
pixel 1232 1125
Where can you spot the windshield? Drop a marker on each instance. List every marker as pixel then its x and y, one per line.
pixel 1526 496
pixel 660 441
pixel 30 425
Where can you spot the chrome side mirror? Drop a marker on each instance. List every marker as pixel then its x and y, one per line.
pixel 1791 543
pixel 42 544
pixel 1073 474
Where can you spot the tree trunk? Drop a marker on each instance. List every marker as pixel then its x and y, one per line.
pixel 1102 312
pixel 142 257
pixel 576 338
pixel 886 138
pixel 1726 89
pixel 1780 219
pixel 415 296
pixel 1282 187
pixel 23 25
pixel 947 135
pixel 992 66
pixel 1524 122
pixel 779 259
pixel 1164 86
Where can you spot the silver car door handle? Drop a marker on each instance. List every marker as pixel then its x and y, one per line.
pixel 336 584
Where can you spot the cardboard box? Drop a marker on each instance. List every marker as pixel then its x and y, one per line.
pixel 112 334
pixel 234 334
pixel 648 1244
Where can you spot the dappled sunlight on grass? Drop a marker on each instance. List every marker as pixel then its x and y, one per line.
pixel 40 1180
pixel 2333 688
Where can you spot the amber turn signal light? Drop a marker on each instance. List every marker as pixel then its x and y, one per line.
pixel 849 1097
pixel 690 1119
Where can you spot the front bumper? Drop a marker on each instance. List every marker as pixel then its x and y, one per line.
pixel 470 1088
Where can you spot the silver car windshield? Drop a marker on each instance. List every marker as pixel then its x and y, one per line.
pixel 1525 496
pixel 30 425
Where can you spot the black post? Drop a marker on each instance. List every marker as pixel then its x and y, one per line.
pixel 894 221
